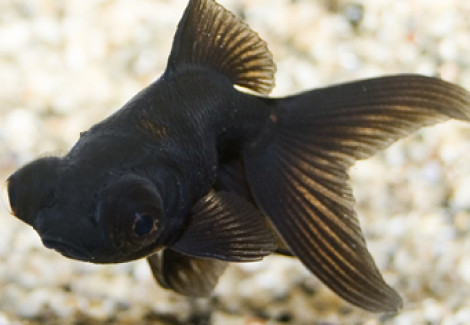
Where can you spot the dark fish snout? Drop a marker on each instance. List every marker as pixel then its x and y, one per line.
pixel 66 249
pixel 59 235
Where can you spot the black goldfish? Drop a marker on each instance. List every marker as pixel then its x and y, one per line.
pixel 193 173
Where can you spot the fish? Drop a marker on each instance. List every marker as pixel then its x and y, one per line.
pixel 203 168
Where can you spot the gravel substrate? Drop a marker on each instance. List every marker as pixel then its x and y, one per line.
pixel 64 65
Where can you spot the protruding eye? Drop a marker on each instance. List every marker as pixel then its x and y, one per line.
pixel 132 210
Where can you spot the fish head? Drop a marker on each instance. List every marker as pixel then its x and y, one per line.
pixel 86 214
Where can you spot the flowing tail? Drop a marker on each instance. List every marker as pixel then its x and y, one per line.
pixel 306 150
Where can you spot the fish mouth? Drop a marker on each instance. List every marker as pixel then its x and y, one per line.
pixel 68 250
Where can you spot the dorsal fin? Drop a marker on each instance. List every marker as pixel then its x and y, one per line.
pixel 208 35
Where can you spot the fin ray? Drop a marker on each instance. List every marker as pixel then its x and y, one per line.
pixel 224 226
pixel 210 36
pixel 322 231
pixel 313 139
pixel 189 276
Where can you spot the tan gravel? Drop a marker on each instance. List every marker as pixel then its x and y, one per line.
pixel 64 65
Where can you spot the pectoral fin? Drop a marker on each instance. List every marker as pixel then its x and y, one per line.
pixel 189 276
pixel 224 226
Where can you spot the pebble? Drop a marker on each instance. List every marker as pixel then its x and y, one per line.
pixel 67 65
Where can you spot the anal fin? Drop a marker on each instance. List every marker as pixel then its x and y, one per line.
pixel 189 276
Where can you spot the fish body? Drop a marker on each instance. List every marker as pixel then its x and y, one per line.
pixel 157 141
pixel 193 173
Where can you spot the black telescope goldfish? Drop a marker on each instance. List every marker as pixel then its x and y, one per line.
pixel 193 173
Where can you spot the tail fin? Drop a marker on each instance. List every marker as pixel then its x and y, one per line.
pixel 305 153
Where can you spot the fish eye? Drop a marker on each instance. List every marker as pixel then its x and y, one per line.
pixel 131 209
pixel 144 224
